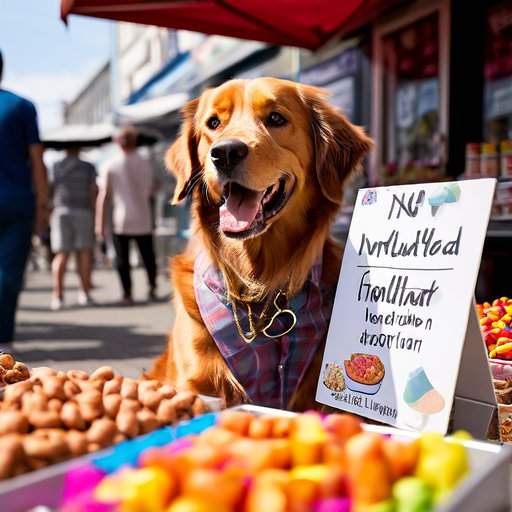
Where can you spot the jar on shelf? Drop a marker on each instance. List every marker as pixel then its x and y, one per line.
pixel 472 169
pixel 489 164
pixel 504 197
pixel 506 158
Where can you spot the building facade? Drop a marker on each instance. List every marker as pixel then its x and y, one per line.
pixel 93 104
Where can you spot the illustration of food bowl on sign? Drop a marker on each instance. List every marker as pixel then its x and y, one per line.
pixel 333 377
pixel 364 373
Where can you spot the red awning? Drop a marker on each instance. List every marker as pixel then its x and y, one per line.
pixel 303 23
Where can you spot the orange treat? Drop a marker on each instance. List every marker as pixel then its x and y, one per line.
pixel 269 492
pixel 402 457
pixel 301 495
pixel 334 453
pixel 343 426
pixel 221 488
pixel 236 421
pixel 261 427
pixel 191 504
pixel 282 427
pixel 308 440
pixel 217 436
pixel 368 470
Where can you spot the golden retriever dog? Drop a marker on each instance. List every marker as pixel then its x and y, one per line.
pixel 264 161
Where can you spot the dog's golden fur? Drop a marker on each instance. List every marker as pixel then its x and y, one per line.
pixel 317 148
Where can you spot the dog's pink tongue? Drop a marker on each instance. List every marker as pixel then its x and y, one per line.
pixel 240 209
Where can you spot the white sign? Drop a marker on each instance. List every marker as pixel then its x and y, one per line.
pixel 405 291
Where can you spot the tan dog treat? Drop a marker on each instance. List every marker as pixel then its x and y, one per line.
pixel 147 421
pixel 11 453
pixel 94 447
pixel 13 422
pixel 166 413
pixel 46 444
pixel 199 407
pixel 113 387
pixel 102 373
pixel 119 438
pixel 91 396
pixel 34 401
pixel 22 370
pixel 35 463
pixel 53 387
pixel 77 442
pixel 183 401
pixel 7 361
pixel 150 398
pixel 167 391
pixel 127 424
pixel 91 385
pixel 130 405
pixel 130 389
pixel 71 388
pixel 42 372
pixel 72 417
pixel 148 385
pixel 102 431
pixel 77 375
pixel 44 419
pixel 13 393
pixel 90 412
pixel 111 405
pixel 55 405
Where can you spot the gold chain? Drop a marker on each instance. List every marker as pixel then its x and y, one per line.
pixel 253 332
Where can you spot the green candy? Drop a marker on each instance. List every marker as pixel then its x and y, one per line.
pixel 382 506
pixel 412 495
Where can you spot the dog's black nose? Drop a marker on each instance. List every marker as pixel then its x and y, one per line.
pixel 226 154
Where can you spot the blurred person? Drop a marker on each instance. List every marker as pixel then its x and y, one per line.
pixel 129 185
pixel 23 198
pixel 73 187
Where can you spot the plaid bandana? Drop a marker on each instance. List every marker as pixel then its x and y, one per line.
pixel 269 370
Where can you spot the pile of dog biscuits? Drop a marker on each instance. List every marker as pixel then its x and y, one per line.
pixel 53 416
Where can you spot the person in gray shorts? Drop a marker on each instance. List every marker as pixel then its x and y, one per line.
pixel 74 192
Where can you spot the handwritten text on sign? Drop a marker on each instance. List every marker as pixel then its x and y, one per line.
pixel 407 281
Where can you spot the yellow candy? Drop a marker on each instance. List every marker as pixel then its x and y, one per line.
pixel 315 473
pixel 191 504
pixel 442 464
pixel 138 490
pixel 503 348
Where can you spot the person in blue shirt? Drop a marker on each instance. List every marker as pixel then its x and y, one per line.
pixel 23 198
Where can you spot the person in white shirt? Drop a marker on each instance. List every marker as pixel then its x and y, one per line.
pixel 129 186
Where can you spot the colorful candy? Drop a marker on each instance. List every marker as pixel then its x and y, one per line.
pixel 308 463
pixel 496 327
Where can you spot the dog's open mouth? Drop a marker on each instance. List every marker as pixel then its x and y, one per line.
pixel 245 212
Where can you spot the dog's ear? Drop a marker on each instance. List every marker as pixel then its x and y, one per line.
pixel 338 144
pixel 181 158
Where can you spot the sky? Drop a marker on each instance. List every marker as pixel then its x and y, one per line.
pixel 44 60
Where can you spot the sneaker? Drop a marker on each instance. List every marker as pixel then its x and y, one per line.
pixel 84 299
pixel 56 303
pixel 127 301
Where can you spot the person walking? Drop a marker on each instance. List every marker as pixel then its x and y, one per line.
pixel 23 198
pixel 129 185
pixel 73 187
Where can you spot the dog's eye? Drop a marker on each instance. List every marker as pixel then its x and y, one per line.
pixel 213 123
pixel 276 119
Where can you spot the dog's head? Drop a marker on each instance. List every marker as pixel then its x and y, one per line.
pixel 265 151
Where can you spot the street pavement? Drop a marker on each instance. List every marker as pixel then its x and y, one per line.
pixel 126 338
